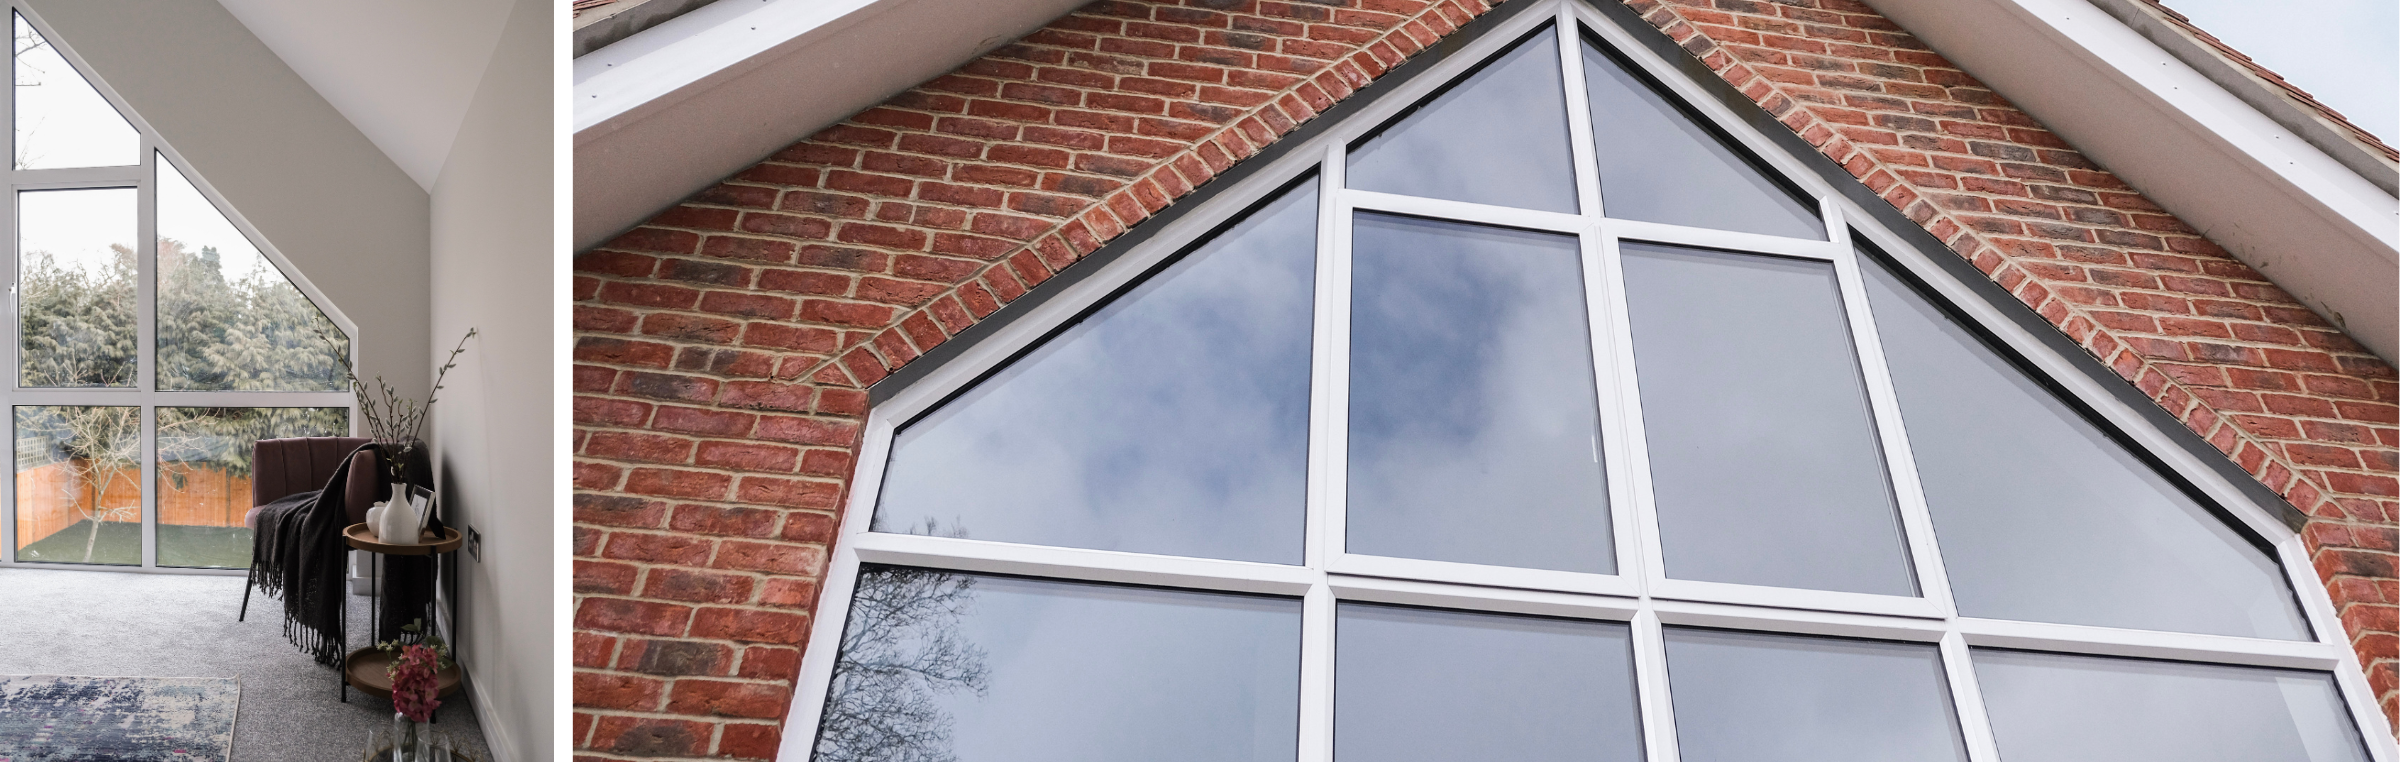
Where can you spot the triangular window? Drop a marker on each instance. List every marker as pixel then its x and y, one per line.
pixel 227 317
pixel 2044 516
pixel 134 422
pixel 1658 163
pixel 1173 420
pixel 1498 136
pixel 62 121
pixel 1500 406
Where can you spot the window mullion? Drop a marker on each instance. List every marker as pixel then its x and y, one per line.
pixel 145 341
pixel 1635 476
pixel 1611 378
pixel 1316 674
pixel 1650 683
pixel 1329 390
pixel 1966 699
pixel 1333 335
pixel 1916 520
pixel 1579 111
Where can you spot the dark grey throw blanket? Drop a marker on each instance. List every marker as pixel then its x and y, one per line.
pixel 297 554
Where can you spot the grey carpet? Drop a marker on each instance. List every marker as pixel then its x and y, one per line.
pixel 61 622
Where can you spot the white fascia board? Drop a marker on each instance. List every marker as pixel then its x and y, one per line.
pixel 2303 219
pixel 668 111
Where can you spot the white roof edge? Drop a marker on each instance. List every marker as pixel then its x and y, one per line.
pixel 643 71
pixel 2337 138
pixel 2277 201
pixel 673 109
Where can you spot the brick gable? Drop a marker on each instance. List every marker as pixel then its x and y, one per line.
pixel 723 347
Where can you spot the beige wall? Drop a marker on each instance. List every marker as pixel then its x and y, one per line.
pixel 493 269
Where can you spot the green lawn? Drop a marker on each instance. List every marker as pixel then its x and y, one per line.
pixel 120 543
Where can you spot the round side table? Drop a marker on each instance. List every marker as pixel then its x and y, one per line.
pixel 365 668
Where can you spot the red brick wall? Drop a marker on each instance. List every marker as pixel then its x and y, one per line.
pixel 723 347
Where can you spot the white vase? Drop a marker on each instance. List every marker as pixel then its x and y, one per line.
pixel 397 524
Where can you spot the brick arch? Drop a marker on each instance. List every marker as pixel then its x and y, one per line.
pixel 724 346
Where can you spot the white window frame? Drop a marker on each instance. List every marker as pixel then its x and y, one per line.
pixel 143 178
pixel 1640 594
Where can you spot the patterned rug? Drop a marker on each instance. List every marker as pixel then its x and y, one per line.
pixel 49 718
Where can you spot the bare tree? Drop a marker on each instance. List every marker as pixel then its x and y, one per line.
pixel 900 650
pixel 97 445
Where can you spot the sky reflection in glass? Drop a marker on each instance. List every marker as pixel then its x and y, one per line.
pixel 941 665
pixel 1425 685
pixel 1658 164
pixel 1498 137
pixel 1172 421
pixel 1748 697
pixel 1474 426
pixel 2043 517
pixel 2061 708
pixel 1763 456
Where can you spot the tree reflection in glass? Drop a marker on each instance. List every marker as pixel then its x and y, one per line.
pixel 901 650
pixel 942 666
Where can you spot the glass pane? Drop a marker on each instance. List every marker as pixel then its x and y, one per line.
pixel 1438 686
pixel 75 298
pixel 1497 137
pixel 1174 420
pixel 227 318
pixel 61 120
pixel 1748 697
pixel 2059 708
pixel 946 666
pixel 79 484
pixel 1660 163
pixel 1474 424
pixel 1763 457
pixel 204 476
pixel 2044 517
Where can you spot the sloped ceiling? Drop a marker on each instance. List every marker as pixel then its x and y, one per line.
pixel 403 73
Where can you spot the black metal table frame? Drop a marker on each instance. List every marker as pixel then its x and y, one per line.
pixel 375 583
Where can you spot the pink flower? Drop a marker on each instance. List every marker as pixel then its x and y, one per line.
pixel 414 689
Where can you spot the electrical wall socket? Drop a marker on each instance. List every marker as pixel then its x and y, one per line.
pixel 475 544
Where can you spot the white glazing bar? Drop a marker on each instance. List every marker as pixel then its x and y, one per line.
pixel 8 326
pixel 1463 211
pixel 1471 598
pixel 1798 621
pixel 1076 563
pixel 1579 112
pixel 1616 438
pixel 1966 699
pixel 1617 344
pixel 1328 367
pixel 80 177
pixel 145 289
pixel 1316 675
pixel 1650 684
pixel 2148 644
pixel 1480 574
pixel 1883 401
pixel 1333 331
pixel 1708 238
pixel 1821 600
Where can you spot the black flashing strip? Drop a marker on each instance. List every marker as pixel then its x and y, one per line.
pixel 1956 267
pixel 1141 233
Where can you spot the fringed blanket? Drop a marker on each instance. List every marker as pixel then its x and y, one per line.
pixel 297 554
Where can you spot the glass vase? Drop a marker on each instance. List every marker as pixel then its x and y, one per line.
pixel 408 738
